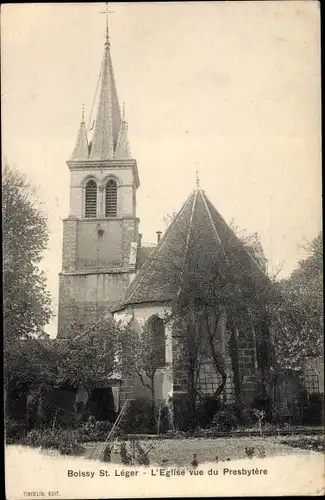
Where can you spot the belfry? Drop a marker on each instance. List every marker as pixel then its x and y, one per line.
pixel 100 235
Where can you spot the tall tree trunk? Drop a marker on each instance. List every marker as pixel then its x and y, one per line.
pixel 233 344
pixel 219 366
pixel 218 360
pixel 192 397
pixel 153 402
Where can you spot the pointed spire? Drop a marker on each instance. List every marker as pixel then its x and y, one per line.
pixel 108 119
pixel 80 151
pixel 123 147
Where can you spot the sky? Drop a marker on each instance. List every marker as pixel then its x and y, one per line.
pixel 231 89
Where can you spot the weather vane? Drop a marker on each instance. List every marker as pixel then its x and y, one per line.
pixel 107 12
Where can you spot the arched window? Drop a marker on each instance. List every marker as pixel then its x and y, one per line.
pixel 91 199
pixel 111 199
pixel 156 329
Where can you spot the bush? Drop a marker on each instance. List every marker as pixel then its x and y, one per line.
pixel 182 412
pixel 206 411
pixel 263 404
pixel 66 441
pixel 224 420
pixel 70 442
pixel 163 419
pixel 15 430
pixel 313 412
pixel 138 417
pixel 34 438
pixel 315 443
pixel 95 431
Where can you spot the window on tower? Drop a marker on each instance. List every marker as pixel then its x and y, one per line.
pixel 111 199
pixel 91 199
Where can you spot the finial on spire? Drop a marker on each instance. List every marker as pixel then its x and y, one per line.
pixel 107 32
pixel 123 111
pixel 197 180
pixel 83 114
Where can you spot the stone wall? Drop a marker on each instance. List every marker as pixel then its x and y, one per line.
pixel 248 368
pixel 96 266
pixel 88 297
pixel 209 379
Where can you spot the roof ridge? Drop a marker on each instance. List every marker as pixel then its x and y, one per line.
pixel 187 242
pixel 213 224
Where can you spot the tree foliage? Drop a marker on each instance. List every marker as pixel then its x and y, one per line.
pixel 91 357
pixel 298 313
pixel 24 230
pixel 72 362
pixel 142 357
pixel 223 290
pixel 29 363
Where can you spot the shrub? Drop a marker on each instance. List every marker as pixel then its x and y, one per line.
pixel 34 438
pixel 66 441
pixel 248 416
pixel 206 411
pixel 164 424
pixel 315 443
pixel 70 442
pixel 138 417
pixel 15 430
pixel 313 412
pixel 95 431
pixel 263 404
pixel 181 412
pixel 224 420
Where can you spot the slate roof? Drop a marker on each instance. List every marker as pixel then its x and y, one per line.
pixel 143 254
pixel 81 149
pixel 110 137
pixel 196 232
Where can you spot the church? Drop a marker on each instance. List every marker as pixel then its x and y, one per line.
pixel 105 268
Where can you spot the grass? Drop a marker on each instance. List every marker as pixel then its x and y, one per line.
pixel 180 452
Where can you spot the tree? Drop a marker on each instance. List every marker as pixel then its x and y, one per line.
pixel 143 355
pixel 298 313
pixel 27 364
pixel 24 230
pixel 223 289
pixel 91 357
pixel 187 358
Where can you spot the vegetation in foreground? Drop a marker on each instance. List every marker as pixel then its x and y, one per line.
pixel 177 450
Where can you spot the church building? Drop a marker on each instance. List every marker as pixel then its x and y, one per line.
pixel 105 270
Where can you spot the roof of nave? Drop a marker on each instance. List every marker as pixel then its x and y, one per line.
pixel 197 231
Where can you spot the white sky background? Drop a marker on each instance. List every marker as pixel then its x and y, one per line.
pixel 231 89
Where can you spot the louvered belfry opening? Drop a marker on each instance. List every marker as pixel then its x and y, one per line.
pixel 111 199
pixel 91 199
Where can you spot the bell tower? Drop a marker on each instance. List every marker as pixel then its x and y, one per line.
pixel 100 234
